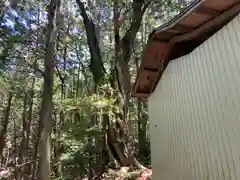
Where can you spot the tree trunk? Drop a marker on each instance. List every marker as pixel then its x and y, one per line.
pixel 36 140
pixel 118 144
pixel 47 103
pixel 5 123
pixel 27 168
pixel 57 144
pixel 96 64
pixel 59 121
pixel 15 150
pixel 23 147
pixel 142 123
pixel 123 50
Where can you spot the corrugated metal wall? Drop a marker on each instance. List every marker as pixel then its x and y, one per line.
pixel 195 112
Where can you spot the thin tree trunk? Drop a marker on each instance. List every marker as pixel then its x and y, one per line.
pixel 23 147
pixel 15 149
pixel 47 103
pixel 35 151
pixel 57 145
pixel 141 124
pixel 27 168
pixel 59 121
pixel 5 123
pixel 34 138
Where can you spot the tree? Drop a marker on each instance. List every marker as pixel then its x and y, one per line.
pixel 123 48
pixel 65 88
pixel 47 104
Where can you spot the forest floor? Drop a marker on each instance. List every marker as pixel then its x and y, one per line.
pixel 126 173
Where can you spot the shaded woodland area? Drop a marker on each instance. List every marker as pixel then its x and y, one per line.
pixel 66 75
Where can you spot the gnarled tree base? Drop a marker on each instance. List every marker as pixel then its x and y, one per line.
pixel 115 145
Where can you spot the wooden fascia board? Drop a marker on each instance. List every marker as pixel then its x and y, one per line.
pixel 188 10
pixel 221 19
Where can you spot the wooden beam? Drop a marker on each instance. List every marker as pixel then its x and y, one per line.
pixel 208 11
pixel 221 19
pixel 151 69
pixel 183 28
pixel 183 14
pixel 180 28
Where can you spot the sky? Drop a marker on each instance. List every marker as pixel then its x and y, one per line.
pixel 11 16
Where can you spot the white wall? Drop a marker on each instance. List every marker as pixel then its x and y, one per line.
pixel 195 112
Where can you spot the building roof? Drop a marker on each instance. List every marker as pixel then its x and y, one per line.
pixel 195 24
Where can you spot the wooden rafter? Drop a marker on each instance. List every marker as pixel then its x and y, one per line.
pixel 221 19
